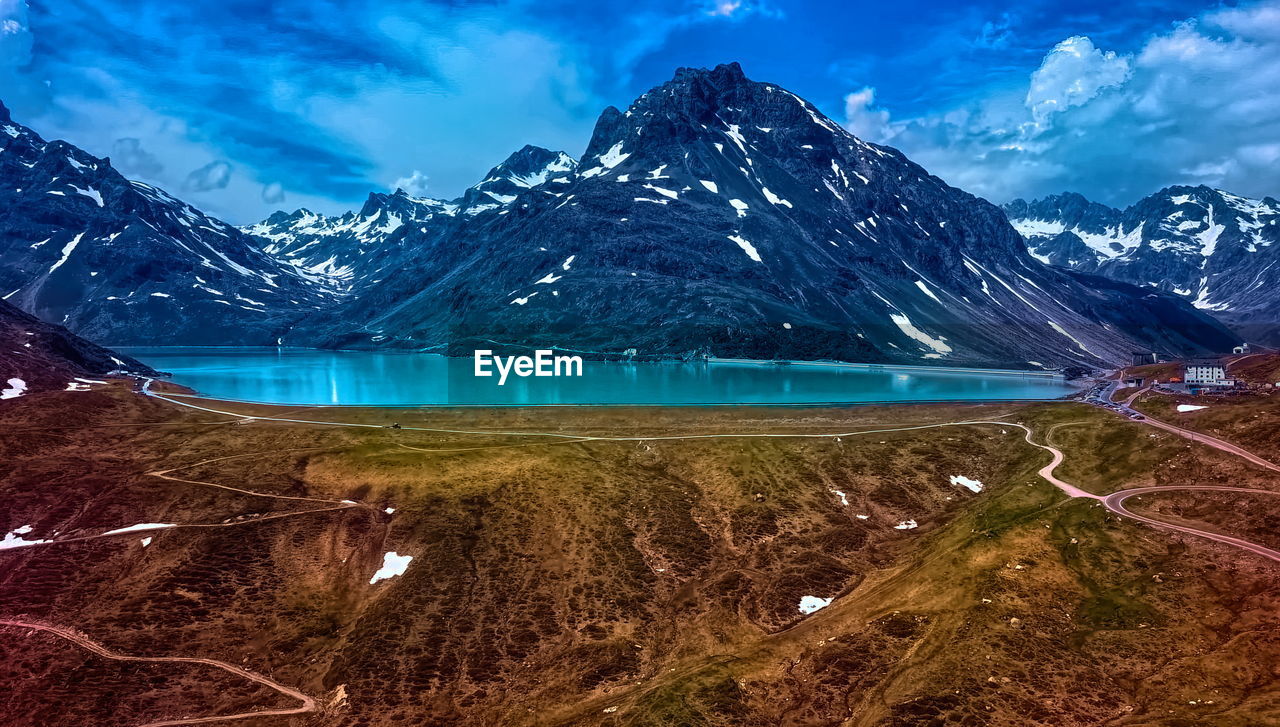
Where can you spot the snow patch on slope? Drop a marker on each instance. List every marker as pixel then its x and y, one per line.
pixel 939 345
pixel 747 247
pixel 393 564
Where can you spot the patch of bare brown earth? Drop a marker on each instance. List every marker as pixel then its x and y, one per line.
pixel 638 581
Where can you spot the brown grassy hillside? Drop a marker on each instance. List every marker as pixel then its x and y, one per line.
pixel 648 581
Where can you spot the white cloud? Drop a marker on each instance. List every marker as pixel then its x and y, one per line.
pixel 15 48
pixel 415 185
pixel 724 8
pixel 214 175
pixel 1199 103
pixel 273 193
pixel 862 119
pixel 1071 75
pixel 1251 22
pixel 738 9
pixel 130 158
pixel 15 35
pixel 1265 154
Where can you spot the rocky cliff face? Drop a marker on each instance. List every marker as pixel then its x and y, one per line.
pixel 124 262
pixel 1211 247
pixel 355 251
pixel 719 215
pixel 43 356
pixel 350 252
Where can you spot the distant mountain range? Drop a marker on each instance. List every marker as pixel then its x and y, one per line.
pixel 355 251
pixel 714 216
pixel 124 262
pixel 1214 248
pixel 725 216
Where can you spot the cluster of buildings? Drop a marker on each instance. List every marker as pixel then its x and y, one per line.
pixel 1198 374
pixel 1201 372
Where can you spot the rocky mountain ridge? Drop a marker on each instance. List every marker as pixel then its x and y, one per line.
pixel 126 263
pixel 40 356
pixel 721 216
pixel 354 251
pixel 715 216
pixel 1214 248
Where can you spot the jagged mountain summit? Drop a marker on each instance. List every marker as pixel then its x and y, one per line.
pixel 1214 248
pixel 719 215
pixel 356 250
pixel 350 251
pixel 126 263
pixel 530 168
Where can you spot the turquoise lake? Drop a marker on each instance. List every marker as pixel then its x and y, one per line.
pixel 314 377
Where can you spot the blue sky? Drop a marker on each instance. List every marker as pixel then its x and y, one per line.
pixel 243 107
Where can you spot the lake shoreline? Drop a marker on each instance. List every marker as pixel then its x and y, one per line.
pixel 829 363
pixel 662 405
pixel 318 377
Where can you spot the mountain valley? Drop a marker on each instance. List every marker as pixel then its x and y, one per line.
pixel 715 217
pixel 727 217
pixel 176 556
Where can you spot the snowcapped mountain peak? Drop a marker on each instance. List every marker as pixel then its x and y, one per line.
pixel 345 251
pixel 85 247
pixel 1264 207
pixel 1214 248
pixel 350 251
pixel 1201 207
pixel 763 157
pixel 1180 221
pixel 721 102
pixel 281 217
pixel 401 205
pixel 532 167
pixel 722 215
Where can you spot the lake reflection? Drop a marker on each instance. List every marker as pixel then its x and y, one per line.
pixel 307 376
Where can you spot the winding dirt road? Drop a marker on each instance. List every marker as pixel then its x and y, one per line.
pixel 308 704
pixel 330 505
pixel 1126 409
pixel 1213 442
pixel 1114 502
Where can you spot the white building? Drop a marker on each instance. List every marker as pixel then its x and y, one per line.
pixel 1206 372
